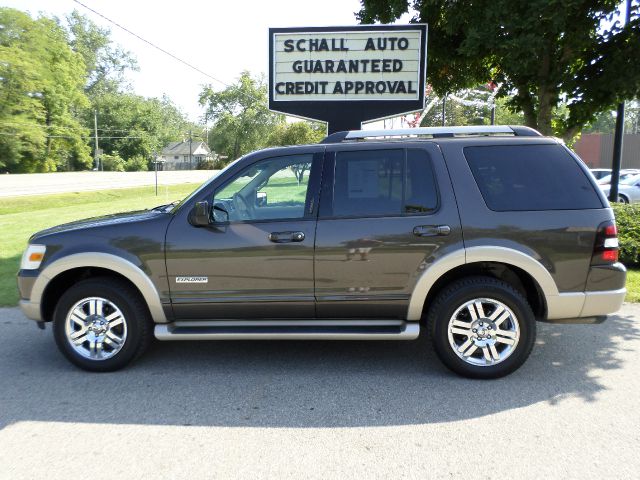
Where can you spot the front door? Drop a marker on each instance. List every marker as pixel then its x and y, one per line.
pixel 255 260
pixel 385 216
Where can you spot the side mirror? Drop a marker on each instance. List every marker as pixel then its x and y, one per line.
pixel 261 199
pixel 199 216
pixel 220 214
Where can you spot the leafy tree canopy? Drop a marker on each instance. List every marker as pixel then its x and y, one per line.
pixel 41 93
pixel 541 53
pixel 105 63
pixel 240 113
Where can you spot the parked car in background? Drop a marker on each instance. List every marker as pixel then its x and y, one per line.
pixel 599 173
pixel 628 189
pixel 625 173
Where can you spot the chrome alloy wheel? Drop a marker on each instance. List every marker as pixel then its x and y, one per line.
pixel 483 332
pixel 95 328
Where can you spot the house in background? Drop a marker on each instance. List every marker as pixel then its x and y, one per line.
pixel 175 156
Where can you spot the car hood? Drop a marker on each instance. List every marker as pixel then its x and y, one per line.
pixel 99 222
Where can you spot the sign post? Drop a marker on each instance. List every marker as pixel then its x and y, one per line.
pixel 346 75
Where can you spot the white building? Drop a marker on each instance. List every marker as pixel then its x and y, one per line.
pixel 175 156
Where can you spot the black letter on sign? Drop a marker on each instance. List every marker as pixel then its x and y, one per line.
pixel 403 43
pixel 297 66
pixel 279 89
pixel 299 46
pixel 370 45
pixel 397 65
pixel 338 88
pixel 288 45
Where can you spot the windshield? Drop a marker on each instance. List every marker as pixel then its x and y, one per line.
pixel 203 186
pixel 630 180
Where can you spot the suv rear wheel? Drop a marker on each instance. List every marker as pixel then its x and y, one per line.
pixel 481 327
pixel 101 324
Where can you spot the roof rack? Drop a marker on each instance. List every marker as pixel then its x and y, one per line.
pixel 434 132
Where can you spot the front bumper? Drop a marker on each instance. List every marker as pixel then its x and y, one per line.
pixel 31 310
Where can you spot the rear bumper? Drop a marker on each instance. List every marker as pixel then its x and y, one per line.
pixel 584 307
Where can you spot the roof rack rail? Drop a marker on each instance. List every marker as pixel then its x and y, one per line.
pixel 435 132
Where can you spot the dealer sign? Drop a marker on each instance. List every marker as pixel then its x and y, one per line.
pixel 346 75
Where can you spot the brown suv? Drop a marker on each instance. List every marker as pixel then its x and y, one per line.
pixel 470 233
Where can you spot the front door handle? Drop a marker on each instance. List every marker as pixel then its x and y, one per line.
pixel 285 237
pixel 431 230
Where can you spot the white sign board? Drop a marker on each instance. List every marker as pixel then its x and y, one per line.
pixel 383 65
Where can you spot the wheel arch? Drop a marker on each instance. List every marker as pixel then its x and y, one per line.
pixel 522 271
pixel 67 270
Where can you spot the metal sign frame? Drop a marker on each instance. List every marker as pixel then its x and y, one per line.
pixel 349 114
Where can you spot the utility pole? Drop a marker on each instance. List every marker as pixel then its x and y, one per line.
pixel 618 137
pixel 95 129
pixel 493 114
pixel 444 104
pixel 190 140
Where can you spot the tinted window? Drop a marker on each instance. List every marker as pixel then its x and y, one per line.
pixel 532 177
pixel 383 182
pixel 420 190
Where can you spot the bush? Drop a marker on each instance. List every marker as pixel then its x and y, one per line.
pixel 112 163
pixel 136 164
pixel 628 222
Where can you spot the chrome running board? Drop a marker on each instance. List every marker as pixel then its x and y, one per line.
pixel 288 330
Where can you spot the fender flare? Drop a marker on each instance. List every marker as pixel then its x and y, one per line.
pixel 505 255
pixel 109 262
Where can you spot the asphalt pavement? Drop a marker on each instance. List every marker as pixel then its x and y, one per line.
pixel 322 410
pixel 61 182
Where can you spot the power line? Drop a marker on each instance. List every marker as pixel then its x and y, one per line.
pixel 153 45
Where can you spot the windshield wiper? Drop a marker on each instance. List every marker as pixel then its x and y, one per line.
pixel 166 206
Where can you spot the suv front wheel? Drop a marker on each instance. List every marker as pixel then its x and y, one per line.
pixel 101 324
pixel 481 327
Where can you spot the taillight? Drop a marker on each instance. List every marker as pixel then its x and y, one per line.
pixel 605 250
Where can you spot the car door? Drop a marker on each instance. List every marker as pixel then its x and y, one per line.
pixel 387 211
pixel 255 259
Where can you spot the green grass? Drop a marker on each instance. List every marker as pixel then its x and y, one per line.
pixel 20 217
pixel 633 286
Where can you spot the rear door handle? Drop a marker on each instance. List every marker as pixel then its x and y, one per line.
pixel 431 230
pixel 285 237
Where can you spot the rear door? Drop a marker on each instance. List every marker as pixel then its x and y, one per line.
pixel 387 211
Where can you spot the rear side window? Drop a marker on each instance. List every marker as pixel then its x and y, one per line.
pixel 383 183
pixel 531 177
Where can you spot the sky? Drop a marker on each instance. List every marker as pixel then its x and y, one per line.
pixel 222 38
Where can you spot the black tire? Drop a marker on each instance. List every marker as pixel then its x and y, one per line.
pixel 456 295
pixel 622 199
pixel 133 308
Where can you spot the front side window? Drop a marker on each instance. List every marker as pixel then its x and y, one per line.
pixel 271 189
pixel 383 183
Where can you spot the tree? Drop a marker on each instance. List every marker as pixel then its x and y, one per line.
pixel 541 53
pixel 240 113
pixel 133 126
pixel 105 63
pixel 41 93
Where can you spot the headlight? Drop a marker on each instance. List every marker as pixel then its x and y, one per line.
pixel 32 257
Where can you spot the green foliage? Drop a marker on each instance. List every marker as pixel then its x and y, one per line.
pixel 241 116
pixel 41 91
pixel 112 163
pixel 628 222
pixel 135 126
pixel 541 53
pixel 136 164
pixel 105 64
pixel 297 133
